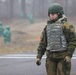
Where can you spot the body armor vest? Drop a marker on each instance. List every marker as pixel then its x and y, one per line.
pixel 56 40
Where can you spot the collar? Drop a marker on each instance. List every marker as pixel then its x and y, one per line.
pixel 61 20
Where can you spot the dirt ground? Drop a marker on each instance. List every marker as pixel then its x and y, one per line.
pixel 24 36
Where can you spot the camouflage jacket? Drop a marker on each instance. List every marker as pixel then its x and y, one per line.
pixel 69 33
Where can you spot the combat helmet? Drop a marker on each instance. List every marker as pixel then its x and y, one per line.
pixel 8 27
pixel 55 8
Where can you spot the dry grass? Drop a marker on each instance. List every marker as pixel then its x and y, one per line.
pixel 24 38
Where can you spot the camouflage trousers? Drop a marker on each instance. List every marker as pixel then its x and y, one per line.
pixel 58 67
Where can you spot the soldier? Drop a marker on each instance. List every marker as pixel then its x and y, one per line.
pixel 57 40
pixel 7 34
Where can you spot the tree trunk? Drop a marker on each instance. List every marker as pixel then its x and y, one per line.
pixel 23 8
pixel 11 8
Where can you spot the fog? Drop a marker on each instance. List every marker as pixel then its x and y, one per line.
pixel 12 9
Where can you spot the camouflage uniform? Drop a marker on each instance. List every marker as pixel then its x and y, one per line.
pixel 55 61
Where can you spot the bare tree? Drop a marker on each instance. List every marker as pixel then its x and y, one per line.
pixel 66 7
pixel 23 7
pixel 11 8
pixel 73 7
pixel 42 8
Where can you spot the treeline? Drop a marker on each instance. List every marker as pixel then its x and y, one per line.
pixel 38 8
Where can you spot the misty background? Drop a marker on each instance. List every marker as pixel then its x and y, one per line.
pixel 14 9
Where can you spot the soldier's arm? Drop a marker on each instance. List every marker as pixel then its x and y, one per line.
pixel 69 32
pixel 42 45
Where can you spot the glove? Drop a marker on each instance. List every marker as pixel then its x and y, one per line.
pixel 67 59
pixel 38 62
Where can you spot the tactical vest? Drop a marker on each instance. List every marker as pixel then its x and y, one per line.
pixel 56 40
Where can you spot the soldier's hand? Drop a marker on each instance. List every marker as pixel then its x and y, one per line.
pixel 67 59
pixel 38 62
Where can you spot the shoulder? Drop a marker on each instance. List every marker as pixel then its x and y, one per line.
pixel 45 27
pixel 68 26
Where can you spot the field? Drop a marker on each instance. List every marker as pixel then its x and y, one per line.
pixel 24 36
